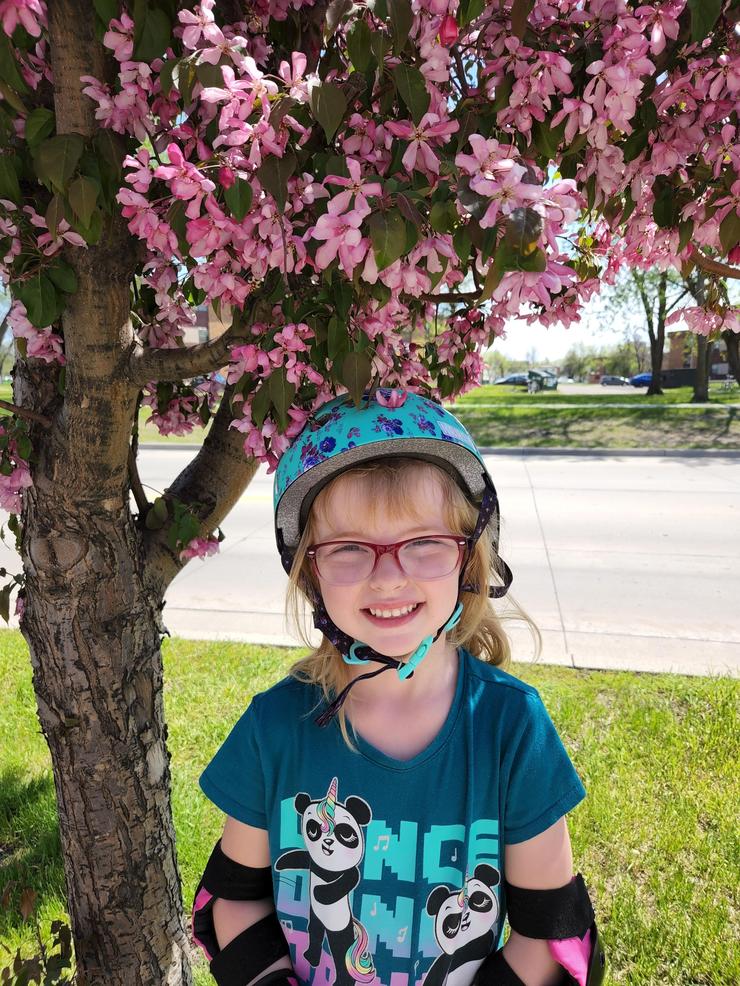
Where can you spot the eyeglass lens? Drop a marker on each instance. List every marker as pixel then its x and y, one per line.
pixel 426 558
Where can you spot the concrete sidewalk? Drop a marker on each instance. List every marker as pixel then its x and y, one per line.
pixel 625 562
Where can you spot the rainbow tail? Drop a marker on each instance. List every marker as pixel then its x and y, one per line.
pixel 358 959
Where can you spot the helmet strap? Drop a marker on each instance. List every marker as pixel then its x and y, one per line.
pixel 355 652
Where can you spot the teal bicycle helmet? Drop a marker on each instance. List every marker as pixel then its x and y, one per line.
pixel 388 423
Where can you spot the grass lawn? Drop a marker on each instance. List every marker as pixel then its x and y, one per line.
pixel 508 417
pixel 657 838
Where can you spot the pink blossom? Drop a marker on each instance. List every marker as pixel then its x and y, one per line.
pixel 42 343
pixel 30 14
pixel 197 23
pixel 342 235
pixel 120 38
pixel 430 126
pixel 200 548
pixel 12 485
pixel 356 186
pixel 390 398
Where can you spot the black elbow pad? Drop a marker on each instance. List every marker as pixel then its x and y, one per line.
pixel 256 948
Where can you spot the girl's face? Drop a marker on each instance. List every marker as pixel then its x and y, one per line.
pixel 346 515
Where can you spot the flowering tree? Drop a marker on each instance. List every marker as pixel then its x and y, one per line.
pixel 327 175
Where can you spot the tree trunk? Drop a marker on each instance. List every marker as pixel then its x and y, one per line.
pixel 701 384
pixel 703 350
pixel 92 623
pixel 732 341
pixel 657 340
pixel 93 630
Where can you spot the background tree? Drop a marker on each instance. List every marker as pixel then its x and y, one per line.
pixel 328 174
pixel 649 296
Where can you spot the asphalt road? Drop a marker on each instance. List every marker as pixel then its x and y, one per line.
pixel 624 562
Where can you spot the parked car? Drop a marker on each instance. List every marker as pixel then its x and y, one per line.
pixel 566 380
pixel 542 380
pixel 641 380
pixel 609 380
pixel 515 379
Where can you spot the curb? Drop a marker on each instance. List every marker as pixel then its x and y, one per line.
pixel 682 453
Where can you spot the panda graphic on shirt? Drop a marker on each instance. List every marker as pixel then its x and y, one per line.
pixel 335 844
pixel 464 922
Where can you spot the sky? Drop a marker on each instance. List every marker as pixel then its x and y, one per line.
pixel 553 342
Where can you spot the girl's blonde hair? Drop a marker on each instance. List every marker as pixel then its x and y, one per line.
pixel 387 485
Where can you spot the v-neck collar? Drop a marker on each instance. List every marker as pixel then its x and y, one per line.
pixel 372 753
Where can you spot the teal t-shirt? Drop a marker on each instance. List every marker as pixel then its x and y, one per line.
pixel 390 872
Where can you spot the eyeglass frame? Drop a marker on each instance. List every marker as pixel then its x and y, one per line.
pixel 463 543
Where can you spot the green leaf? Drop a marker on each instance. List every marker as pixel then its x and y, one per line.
pixel 282 394
pixel 9 187
pixel 166 77
pixel 328 105
pixel 12 98
pixel 520 11
pixel 5 601
pixel 210 76
pixel 401 20
pixel 729 231
pixel 335 13
pixel 152 31
pixel 410 84
pixel 358 46
pixel 63 277
pixel 685 230
pixel 547 139
pixel 338 340
pixel 355 374
pixel 462 243
pixel 388 235
pixel 664 204
pixel 185 78
pixel 239 198
pixel 83 195
pixel 274 173
pixel 469 10
pixel 92 232
pixel 106 10
pixel 56 159
pixel 439 217
pixel 39 125
pixel 261 405
pixel 704 14
pixel 9 66
pixel 39 296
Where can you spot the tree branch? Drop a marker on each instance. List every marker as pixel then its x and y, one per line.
pixel 137 489
pixel 442 298
pixel 171 365
pixel 214 480
pixel 713 266
pixel 24 412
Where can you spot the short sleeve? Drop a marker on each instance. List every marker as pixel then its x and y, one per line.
pixel 543 784
pixel 234 779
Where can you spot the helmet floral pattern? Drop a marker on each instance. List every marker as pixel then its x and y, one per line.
pixel 388 414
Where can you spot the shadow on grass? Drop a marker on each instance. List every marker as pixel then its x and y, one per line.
pixel 30 847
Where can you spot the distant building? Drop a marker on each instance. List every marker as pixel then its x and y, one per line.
pixel 681 354
pixel 207 326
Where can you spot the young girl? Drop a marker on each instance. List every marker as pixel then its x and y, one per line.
pixel 393 856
